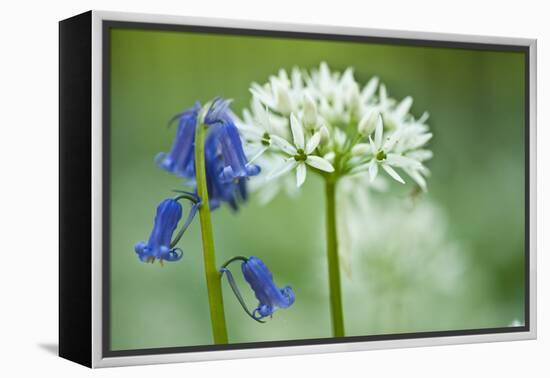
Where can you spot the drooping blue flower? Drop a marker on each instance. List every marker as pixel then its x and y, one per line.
pixel 180 160
pixel 227 167
pixel 220 190
pixel 261 281
pixel 235 164
pixel 159 245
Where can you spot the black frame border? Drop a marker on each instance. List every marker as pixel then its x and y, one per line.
pixel 106 27
pixel 75 189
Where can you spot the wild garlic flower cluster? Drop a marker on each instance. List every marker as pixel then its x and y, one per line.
pixel 387 270
pixel 324 121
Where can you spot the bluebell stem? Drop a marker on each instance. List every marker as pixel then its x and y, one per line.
pixel 260 279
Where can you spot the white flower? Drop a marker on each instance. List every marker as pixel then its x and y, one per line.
pixel 300 153
pixel 380 153
pixel 341 120
pixel 257 127
pixel 386 263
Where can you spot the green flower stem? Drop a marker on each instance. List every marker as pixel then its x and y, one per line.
pixel 213 281
pixel 336 311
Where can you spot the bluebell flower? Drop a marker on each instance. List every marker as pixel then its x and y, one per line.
pixel 227 167
pixel 219 190
pixel 261 281
pixel 180 160
pixel 159 246
pixel 235 164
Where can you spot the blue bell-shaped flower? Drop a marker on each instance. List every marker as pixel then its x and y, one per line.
pixel 159 246
pixel 261 281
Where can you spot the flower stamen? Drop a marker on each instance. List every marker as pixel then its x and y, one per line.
pixel 300 155
pixel 381 155
pixel 266 140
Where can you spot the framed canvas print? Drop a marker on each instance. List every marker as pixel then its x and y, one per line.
pixel 235 189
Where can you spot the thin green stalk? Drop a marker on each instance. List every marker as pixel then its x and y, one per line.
pixel 213 281
pixel 336 311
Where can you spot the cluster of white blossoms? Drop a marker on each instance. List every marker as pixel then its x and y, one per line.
pixel 398 278
pixel 324 121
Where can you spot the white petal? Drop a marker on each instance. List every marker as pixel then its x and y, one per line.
pixel 283 101
pixel 263 118
pixel 425 171
pixel 373 170
pixel 296 78
pixel 420 140
pixel 312 143
pixel 324 74
pixel 372 146
pixel 369 89
pixel 250 133
pixel 392 140
pixel 259 153
pixel 284 168
pixel 310 111
pixel 347 76
pixel 359 169
pixel 279 126
pixel 424 117
pixel 393 173
pixel 383 94
pixel 361 149
pixel 297 131
pixel 284 145
pixel 262 95
pixel 319 163
pixel 283 76
pixel 325 134
pixel 403 107
pixel 417 177
pixel 324 107
pixel 378 133
pixel 368 123
pixel 420 155
pixel 352 95
pixel 402 161
pixel 339 137
pixel 300 174
pixel 330 156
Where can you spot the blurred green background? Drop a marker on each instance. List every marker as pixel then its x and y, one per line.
pixel 467 233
